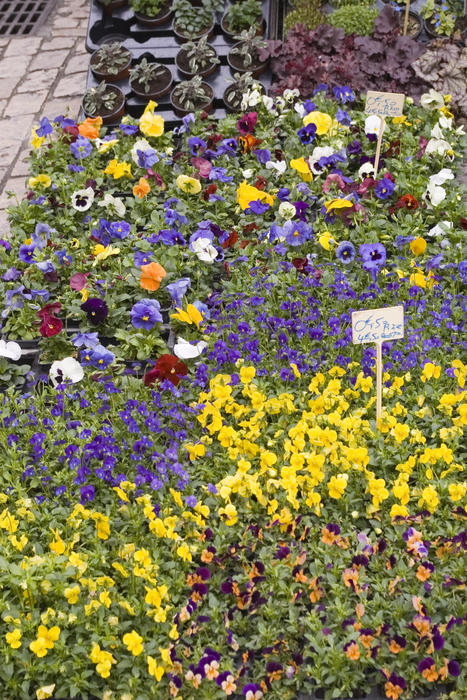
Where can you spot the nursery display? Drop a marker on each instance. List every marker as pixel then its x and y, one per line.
pixel 197 497
pixel 150 79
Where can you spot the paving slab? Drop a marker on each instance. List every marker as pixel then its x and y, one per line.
pixel 23 46
pixel 26 103
pixel 46 59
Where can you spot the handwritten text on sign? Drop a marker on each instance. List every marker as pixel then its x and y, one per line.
pixel 378 325
pixel 384 104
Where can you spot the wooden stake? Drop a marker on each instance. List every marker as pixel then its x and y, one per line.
pixel 406 18
pixel 379 382
pixel 378 147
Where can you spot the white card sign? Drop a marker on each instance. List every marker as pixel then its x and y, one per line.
pixel 384 104
pixel 378 325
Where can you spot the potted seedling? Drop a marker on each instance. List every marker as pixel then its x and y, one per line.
pixel 241 16
pixel 150 80
pixel 233 94
pixel 110 5
pixel 439 19
pixel 197 58
pixel 191 95
pixel 250 53
pixel 152 13
pixel 110 62
pixel 106 101
pixel 191 22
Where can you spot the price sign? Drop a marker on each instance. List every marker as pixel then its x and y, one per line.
pixel 377 326
pixel 384 104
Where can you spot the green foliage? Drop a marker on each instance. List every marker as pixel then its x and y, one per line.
pixel 355 19
pixel 307 12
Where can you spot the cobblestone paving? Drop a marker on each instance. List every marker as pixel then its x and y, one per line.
pixel 43 74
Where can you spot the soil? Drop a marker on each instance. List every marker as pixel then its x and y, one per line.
pixel 157 87
pixel 236 62
pixel 183 64
pixel 103 74
pixel 109 115
pixel 206 105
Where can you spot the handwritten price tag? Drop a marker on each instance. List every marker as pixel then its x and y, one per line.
pixel 384 104
pixel 378 325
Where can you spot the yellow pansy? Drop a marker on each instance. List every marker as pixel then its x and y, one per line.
pixel 45 692
pixel 302 167
pixel 333 204
pixel 190 315
pixel 247 193
pixel 188 184
pixel 101 252
pixel 133 642
pixel 183 551
pixel 326 241
pixel 430 371
pixel 337 485
pixel 72 594
pixel 14 638
pixel 149 123
pixel 58 545
pixel 154 669
pixel 456 492
pixel 321 120
pixel 230 513
pixel 42 180
pixel 418 246
pixel 36 141
pixel 118 169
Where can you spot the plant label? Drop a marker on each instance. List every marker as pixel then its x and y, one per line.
pixel 384 104
pixel 378 325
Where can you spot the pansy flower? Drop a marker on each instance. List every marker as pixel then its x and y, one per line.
pixel 146 313
pixel 82 200
pixel 167 367
pixel 96 310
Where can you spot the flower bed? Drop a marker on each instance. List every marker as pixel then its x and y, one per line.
pixel 232 521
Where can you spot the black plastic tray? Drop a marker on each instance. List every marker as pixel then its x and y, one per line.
pixel 219 81
pixel 123 26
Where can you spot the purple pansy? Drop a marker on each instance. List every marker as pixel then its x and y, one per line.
pixel 146 313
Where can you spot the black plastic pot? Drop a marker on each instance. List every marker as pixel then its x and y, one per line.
pixel 157 89
pixel 183 65
pixel 113 115
pixel 230 34
pixel 182 38
pixel 236 64
pixel 162 17
pixel 415 25
pixel 111 6
pixel 206 106
pixel 101 74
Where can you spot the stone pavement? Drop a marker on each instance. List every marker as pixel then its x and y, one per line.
pixel 40 75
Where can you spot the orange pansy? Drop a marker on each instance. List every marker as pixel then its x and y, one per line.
pixel 90 127
pixel 142 188
pixel 151 276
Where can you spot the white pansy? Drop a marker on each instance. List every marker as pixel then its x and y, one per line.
pixel 366 170
pixel 445 122
pixel 185 350
pixel 319 152
pixel 81 200
pixel 436 132
pixel 279 165
pixel 290 95
pixel 443 176
pixel 432 100
pixel 440 229
pixel 373 124
pixel 287 210
pixel 113 204
pixel 66 369
pixel 247 173
pixel 140 145
pixel 251 98
pixel 204 250
pixel 435 194
pixel 439 146
pixel 268 102
pixel 300 109
pixel 10 349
